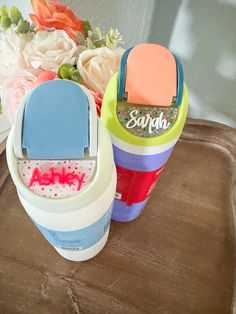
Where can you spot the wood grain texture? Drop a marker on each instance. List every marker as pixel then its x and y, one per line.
pixel 177 258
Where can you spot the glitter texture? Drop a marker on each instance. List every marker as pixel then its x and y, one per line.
pixel 124 110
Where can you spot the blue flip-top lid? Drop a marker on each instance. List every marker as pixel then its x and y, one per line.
pixel 56 121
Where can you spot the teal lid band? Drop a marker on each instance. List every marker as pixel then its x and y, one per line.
pixel 121 82
pixel 180 82
pixel 111 121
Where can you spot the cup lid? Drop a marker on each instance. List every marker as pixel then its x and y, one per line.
pixel 56 121
pixel 150 75
pixel 55 139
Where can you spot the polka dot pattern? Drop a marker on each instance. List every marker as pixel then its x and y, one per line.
pixel 56 190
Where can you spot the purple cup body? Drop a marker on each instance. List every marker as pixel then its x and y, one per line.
pixel 124 213
pixel 146 163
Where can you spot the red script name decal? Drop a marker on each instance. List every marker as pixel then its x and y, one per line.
pixel 55 177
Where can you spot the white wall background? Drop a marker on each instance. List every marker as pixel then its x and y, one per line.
pixel 201 33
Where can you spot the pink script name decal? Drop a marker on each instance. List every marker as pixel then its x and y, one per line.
pixel 57 177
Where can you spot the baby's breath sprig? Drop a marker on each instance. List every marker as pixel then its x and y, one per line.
pixel 113 38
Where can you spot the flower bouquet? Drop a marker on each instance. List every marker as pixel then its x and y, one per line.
pixel 53 44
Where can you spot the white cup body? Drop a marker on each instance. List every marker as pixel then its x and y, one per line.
pixel 77 227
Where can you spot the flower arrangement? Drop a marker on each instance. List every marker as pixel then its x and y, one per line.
pixel 56 44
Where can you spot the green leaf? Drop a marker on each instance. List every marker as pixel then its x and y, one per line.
pixel 5 22
pixel 15 15
pixel 98 32
pixel 81 39
pixel 94 36
pixel 99 43
pixel 86 26
pixel 4 11
pixel 90 44
pixel 64 72
pixel 23 27
pixel 95 39
pixel 0 107
pixel 75 76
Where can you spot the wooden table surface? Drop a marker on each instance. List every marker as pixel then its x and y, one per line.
pixel 177 257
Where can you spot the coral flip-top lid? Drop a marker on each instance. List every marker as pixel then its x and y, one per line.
pixel 54 122
pixel 150 75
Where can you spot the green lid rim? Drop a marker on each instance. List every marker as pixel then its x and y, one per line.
pixel 111 121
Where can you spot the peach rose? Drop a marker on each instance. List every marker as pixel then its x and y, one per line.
pixel 97 66
pixel 56 15
pixel 17 86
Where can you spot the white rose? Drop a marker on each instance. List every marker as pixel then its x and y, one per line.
pixel 48 50
pixel 11 51
pixel 98 66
